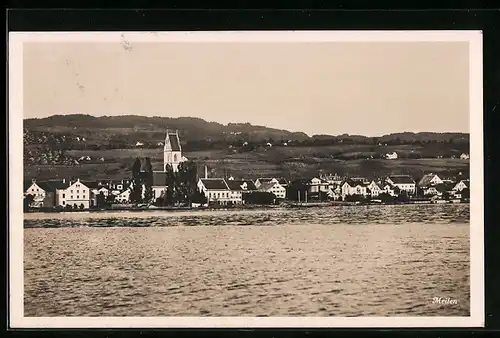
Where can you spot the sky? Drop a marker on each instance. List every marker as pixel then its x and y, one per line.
pixel 363 88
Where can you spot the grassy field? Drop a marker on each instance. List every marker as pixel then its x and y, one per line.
pixel 290 162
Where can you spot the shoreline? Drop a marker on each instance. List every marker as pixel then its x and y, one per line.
pixel 239 208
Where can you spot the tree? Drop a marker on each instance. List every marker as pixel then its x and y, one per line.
pixel 260 197
pixel 199 197
pixel 82 206
pixel 28 199
pixel 148 181
pixel 187 182
pixel 385 197
pixel 100 200
pixel 136 184
pixel 402 196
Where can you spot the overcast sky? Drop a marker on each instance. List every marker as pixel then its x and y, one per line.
pixel 318 88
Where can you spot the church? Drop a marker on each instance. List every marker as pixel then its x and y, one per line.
pixel 172 155
pixel 172 151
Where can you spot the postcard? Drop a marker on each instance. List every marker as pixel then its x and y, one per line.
pixel 246 179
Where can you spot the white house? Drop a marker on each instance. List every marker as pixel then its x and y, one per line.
pixel 75 195
pixel 317 185
pixel 464 156
pixel 460 186
pixel 429 180
pixel 389 189
pixel 215 190
pixel 391 156
pixel 350 188
pixel 123 197
pixel 273 187
pixel 139 144
pixel 335 193
pixel 37 191
pixel 374 189
pixel 432 191
pixel 403 182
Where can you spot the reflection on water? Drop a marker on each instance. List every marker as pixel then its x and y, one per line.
pixel 338 261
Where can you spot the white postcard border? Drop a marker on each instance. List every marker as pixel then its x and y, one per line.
pixel 16 281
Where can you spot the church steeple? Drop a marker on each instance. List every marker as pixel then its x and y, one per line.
pixel 172 151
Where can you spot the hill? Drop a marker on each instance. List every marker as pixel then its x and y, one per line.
pixel 115 132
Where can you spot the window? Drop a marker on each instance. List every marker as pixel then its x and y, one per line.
pixel 71 190
pixel 77 191
pixel 71 196
pixel 64 196
pixel 83 197
pixel 77 197
pixel 63 203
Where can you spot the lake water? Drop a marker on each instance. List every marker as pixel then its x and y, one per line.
pixel 330 261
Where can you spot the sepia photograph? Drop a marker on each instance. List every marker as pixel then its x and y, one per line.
pixel 246 179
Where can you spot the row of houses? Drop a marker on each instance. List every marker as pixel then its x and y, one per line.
pixel 75 193
pixel 83 194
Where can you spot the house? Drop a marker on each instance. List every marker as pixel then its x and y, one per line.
pixel 349 188
pixel 215 190
pixel 391 156
pixel 159 183
pixel 237 190
pixel 123 197
pixel 335 193
pixel 429 180
pixel 115 187
pixel 139 144
pixel 269 144
pixel 374 189
pixel 432 191
pixel 273 187
pixel 464 156
pixel 390 189
pixel 281 181
pixel 75 194
pixel 37 191
pixel 403 182
pixel 317 185
pixel 460 186
pixel 445 188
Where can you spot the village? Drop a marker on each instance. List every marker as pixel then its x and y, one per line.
pixel 156 189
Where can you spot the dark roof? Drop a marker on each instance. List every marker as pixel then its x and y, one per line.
pixel 51 186
pixel 174 142
pixel 426 180
pixel 214 183
pixel 401 179
pixel 237 185
pixel 90 184
pixel 443 187
pixel 280 180
pixel 266 185
pixel 159 178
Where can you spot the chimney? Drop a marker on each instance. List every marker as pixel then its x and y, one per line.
pixel 206 172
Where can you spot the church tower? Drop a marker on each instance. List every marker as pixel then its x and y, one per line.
pixel 172 152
